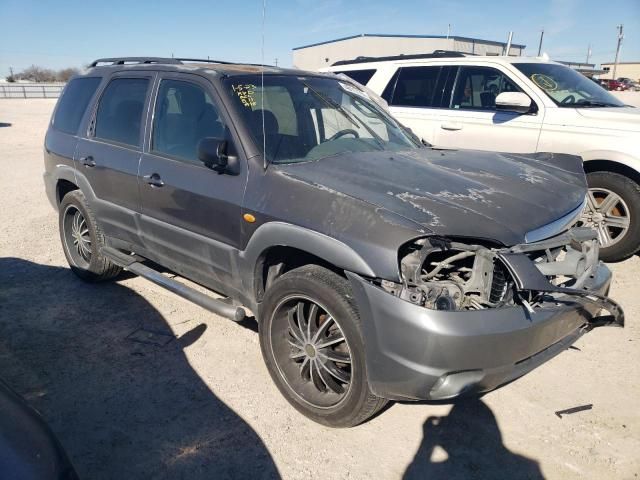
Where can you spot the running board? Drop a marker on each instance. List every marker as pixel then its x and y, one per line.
pixel 133 263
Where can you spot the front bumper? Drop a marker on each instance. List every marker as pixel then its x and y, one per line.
pixel 414 353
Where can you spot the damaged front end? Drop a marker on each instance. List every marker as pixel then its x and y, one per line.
pixel 468 317
pixel 443 274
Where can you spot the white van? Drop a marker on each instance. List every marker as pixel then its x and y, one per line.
pixel 521 105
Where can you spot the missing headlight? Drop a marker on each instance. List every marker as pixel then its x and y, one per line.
pixel 444 275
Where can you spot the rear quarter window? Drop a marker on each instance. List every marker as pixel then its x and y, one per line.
pixel 73 103
pixel 360 76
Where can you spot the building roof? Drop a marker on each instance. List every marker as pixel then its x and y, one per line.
pixel 621 63
pixel 454 37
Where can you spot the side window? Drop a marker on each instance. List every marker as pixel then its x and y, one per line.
pixel 416 87
pixel 478 87
pixel 73 103
pixel 360 76
pixel 184 115
pixel 119 116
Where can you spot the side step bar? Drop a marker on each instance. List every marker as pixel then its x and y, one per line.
pixel 132 263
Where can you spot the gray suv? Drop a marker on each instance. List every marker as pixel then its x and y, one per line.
pixel 377 268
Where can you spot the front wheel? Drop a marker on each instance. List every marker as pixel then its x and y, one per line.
pixel 613 210
pixel 312 343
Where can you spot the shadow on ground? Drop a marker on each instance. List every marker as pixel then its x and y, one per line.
pixel 121 408
pixel 467 444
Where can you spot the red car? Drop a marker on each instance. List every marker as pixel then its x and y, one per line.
pixel 613 85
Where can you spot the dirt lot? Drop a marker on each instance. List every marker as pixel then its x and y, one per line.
pixel 203 406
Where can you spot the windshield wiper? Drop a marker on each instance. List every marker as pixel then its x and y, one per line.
pixel 346 114
pixel 594 103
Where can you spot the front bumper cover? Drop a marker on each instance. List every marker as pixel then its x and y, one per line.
pixel 414 353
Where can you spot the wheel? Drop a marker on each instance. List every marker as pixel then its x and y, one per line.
pixel 613 210
pixel 312 343
pixel 82 239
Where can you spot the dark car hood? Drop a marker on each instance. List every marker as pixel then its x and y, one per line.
pixel 467 193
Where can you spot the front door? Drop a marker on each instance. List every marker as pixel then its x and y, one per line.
pixel 472 121
pixel 191 215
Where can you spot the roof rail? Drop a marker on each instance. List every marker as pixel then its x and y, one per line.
pixel 435 54
pixel 172 61
pixel 124 60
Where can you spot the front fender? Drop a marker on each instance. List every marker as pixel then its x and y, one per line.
pixel 275 234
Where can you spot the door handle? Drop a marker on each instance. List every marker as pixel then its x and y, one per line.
pixel 451 126
pixel 88 161
pixel 154 180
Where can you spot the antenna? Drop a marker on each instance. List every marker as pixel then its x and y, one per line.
pixel 540 44
pixel 264 133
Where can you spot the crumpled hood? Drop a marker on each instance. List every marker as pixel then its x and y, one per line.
pixel 475 194
pixel 616 118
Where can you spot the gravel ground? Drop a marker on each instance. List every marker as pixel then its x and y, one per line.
pixel 203 405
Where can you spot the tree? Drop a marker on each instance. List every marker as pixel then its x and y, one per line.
pixel 66 73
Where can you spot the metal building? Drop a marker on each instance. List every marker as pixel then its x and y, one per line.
pixel 323 54
pixel 625 69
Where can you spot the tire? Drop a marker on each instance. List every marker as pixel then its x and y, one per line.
pixel 310 389
pixel 624 243
pixel 82 249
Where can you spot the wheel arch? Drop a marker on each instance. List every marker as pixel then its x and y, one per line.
pixel 614 166
pixel 286 246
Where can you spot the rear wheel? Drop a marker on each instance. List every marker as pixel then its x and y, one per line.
pixel 312 344
pixel 82 239
pixel 613 210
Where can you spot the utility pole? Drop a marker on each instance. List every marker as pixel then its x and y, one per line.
pixel 276 62
pixel 448 30
pixel 588 53
pixel 506 52
pixel 620 37
pixel 540 44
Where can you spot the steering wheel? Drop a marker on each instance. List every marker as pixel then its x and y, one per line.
pixel 342 133
pixel 569 99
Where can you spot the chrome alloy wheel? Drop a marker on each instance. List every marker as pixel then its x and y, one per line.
pixel 311 352
pixel 77 237
pixel 608 214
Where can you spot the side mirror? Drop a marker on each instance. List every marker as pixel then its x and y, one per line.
pixel 517 102
pixel 213 153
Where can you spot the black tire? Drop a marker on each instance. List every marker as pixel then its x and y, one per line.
pixel 86 262
pixel 333 295
pixel 629 192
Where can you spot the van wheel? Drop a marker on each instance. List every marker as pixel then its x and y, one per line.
pixel 613 210
pixel 82 239
pixel 311 340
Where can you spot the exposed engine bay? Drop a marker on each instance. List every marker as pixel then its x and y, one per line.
pixel 442 274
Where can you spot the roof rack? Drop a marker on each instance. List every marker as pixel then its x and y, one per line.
pixel 171 61
pixel 435 54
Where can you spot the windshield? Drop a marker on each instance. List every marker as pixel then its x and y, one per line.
pixel 566 87
pixel 309 118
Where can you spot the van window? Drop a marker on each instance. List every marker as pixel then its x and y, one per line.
pixel 416 87
pixel 478 87
pixel 119 116
pixel 360 76
pixel 184 115
pixel 71 106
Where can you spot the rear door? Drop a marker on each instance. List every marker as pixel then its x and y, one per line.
pixel 471 120
pixel 109 156
pixel 417 95
pixel 191 215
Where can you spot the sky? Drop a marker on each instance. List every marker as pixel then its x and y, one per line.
pixel 70 33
